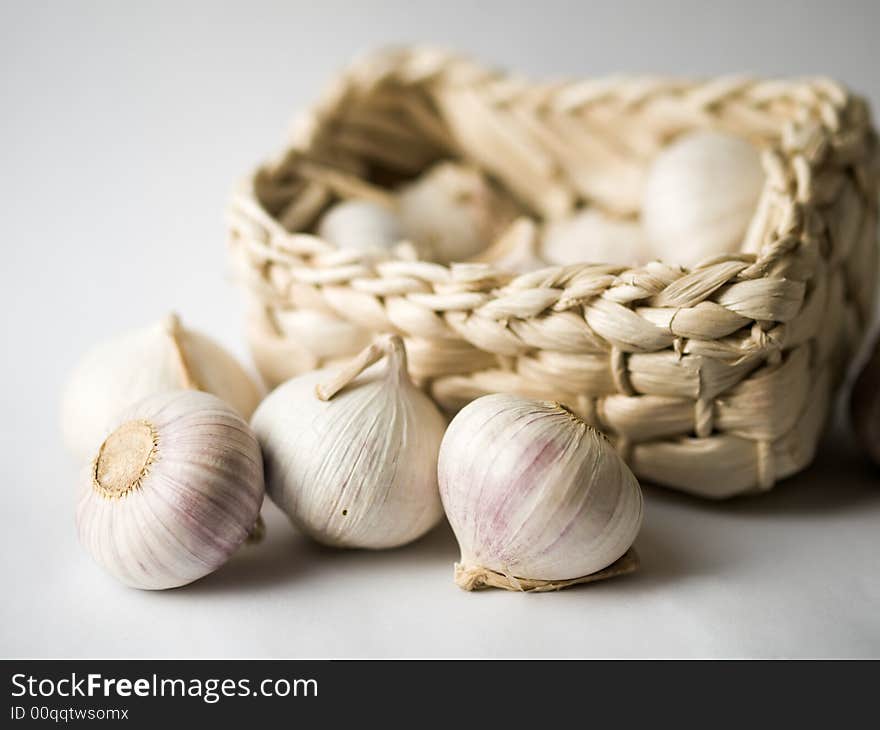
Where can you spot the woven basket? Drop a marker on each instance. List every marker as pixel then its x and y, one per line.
pixel 715 380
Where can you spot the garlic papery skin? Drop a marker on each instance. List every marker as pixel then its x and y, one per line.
pixel 361 225
pixel 590 236
pixel 351 457
pixel 173 491
pixel 534 495
pixel 700 196
pixel 162 357
pixel 452 211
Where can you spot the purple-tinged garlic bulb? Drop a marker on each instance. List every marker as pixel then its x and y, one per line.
pixel 535 496
pixel 173 491
pixel 865 406
pixel 351 456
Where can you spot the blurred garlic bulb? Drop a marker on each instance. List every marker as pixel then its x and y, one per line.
pixel 537 498
pixel 323 334
pixel 700 196
pixel 352 457
pixel 592 237
pixel 515 250
pixel 865 406
pixel 360 225
pixel 173 491
pixel 452 211
pixel 164 356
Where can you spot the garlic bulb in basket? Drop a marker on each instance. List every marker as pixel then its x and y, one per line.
pixel 700 196
pixel 453 212
pixel 173 491
pixel 351 457
pixel 592 237
pixel 162 357
pixel 537 498
pixel 360 225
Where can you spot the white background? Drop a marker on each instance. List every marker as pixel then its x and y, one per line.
pixel 124 126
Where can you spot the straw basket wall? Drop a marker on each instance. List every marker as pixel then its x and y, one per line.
pixel 715 380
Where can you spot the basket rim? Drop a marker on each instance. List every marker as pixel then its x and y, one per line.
pixel 416 65
pixel 786 261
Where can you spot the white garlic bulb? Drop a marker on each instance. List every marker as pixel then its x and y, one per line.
pixel 352 457
pixel 452 211
pixel 700 196
pixel 590 236
pixel 122 371
pixel 534 495
pixel 360 225
pixel 173 491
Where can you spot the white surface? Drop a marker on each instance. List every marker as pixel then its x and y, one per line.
pixel 123 128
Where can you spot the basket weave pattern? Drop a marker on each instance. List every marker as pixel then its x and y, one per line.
pixel 716 380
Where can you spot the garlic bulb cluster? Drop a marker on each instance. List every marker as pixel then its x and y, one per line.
pixel 700 196
pixel 352 457
pixel 534 495
pixel 173 491
pixel 865 406
pixel 590 236
pixel 122 371
pixel 360 225
pixel 452 211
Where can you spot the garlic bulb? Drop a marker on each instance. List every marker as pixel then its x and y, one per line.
pixel 592 237
pixel 360 225
pixel 865 406
pixel 164 356
pixel 323 334
pixel 172 492
pixel 537 498
pixel 700 196
pixel 452 211
pixel 352 458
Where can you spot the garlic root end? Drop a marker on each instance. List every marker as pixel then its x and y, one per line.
pixel 474 577
pixel 257 533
